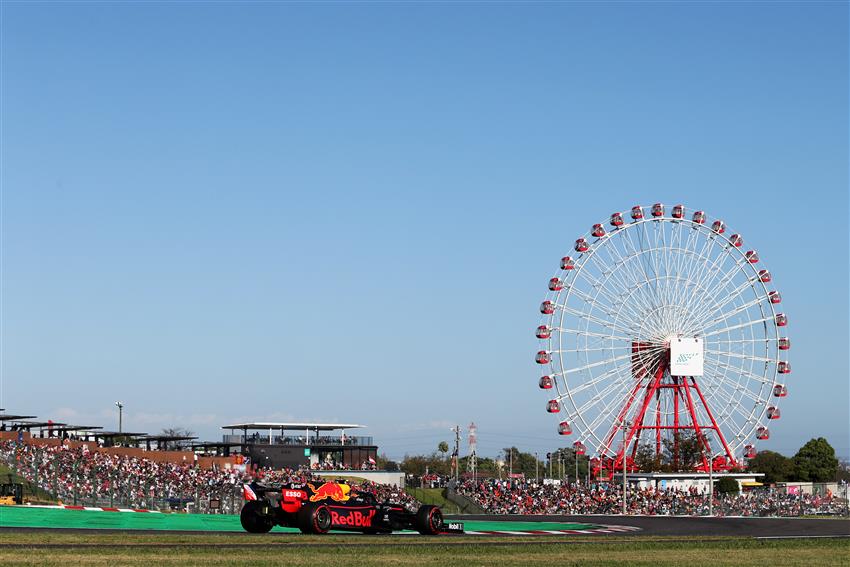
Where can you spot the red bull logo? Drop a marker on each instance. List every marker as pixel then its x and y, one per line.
pixel 332 490
pixel 355 519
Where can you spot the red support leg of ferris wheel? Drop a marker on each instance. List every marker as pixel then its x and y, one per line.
pixel 678 387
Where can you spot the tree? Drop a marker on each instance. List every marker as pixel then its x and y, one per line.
pixel 175 432
pixel 418 464
pixel 568 460
pixel 525 463
pixel 683 452
pixel 776 467
pixel 816 462
pixel 727 485
pixel 646 459
pixel 443 447
pixel 385 464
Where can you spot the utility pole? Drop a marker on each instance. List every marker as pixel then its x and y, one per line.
pixel 536 462
pixel 549 458
pixel 625 483
pixel 710 476
pixel 710 485
pixel 120 416
pixel 512 463
pixel 575 458
pixel 456 430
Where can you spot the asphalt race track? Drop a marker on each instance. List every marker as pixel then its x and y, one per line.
pixel 699 526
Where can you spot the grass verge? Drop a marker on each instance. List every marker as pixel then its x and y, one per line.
pixel 32 493
pixel 58 548
pixel 435 496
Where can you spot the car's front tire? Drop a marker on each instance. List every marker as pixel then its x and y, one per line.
pixel 429 520
pixel 253 521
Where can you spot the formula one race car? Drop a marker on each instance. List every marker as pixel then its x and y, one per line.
pixel 317 508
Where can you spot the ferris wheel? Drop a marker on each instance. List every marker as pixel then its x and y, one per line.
pixel 658 326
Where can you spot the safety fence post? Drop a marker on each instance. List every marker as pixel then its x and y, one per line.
pixel 75 479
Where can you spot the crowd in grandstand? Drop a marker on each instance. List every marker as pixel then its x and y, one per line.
pixel 79 474
pixel 332 465
pixel 530 497
pixel 91 476
pixel 69 472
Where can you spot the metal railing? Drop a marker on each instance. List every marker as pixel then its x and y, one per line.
pixel 260 439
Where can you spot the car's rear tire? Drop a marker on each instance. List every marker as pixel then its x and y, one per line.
pixel 429 520
pixel 253 521
pixel 314 519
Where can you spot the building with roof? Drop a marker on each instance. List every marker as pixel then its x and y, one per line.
pixel 315 445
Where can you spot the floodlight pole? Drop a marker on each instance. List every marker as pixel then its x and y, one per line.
pixel 536 469
pixel 120 416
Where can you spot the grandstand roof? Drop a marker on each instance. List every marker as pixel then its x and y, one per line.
pixel 61 427
pixel 12 417
pixel 30 424
pixel 265 425
pixel 116 434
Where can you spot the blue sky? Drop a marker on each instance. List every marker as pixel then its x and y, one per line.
pixel 270 211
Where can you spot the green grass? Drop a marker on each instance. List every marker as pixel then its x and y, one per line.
pixel 435 496
pixel 58 548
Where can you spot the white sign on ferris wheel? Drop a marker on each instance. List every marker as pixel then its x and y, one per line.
pixel 686 357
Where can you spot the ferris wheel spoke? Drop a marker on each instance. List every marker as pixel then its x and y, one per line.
pixel 639 255
pixel 600 288
pixel 739 355
pixel 713 255
pixel 593 349
pixel 716 306
pixel 594 334
pixel 736 311
pixel 739 326
pixel 726 409
pixel 607 375
pixel 759 379
pixel 597 320
pixel 727 417
pixel 711 301
pixel 628 356
pixel 625 265
pixel 703 281
pixel 619 271
pixel 737 389
pixel 607 309
pixel 608 409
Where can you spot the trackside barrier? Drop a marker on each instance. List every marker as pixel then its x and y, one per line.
pixel 464 504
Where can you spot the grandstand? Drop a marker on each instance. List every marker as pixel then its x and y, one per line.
pixel 308 445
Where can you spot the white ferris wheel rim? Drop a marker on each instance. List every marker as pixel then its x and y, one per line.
pixel 696 283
